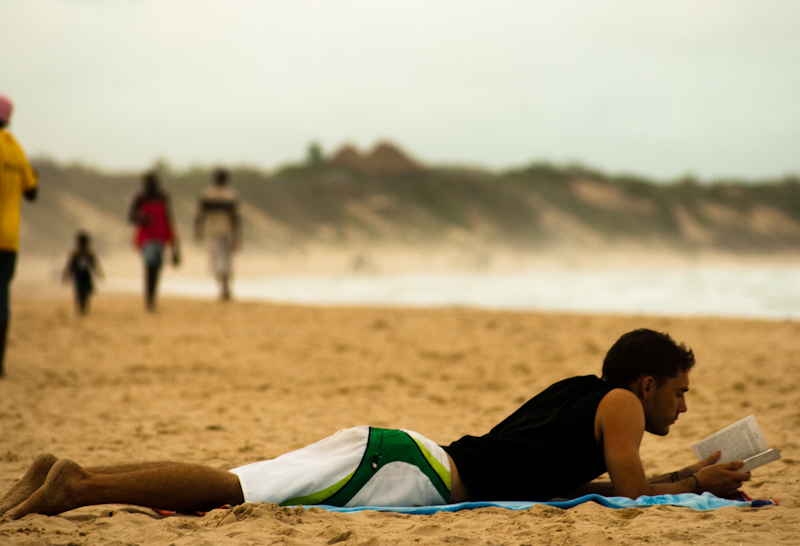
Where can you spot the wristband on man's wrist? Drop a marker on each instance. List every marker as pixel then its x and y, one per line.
pixel 697 488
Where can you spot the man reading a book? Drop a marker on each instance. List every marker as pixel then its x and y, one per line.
pixel 556 445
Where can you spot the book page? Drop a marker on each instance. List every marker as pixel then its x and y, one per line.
pixel 740 440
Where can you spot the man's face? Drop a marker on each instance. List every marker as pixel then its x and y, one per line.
pixel 664 403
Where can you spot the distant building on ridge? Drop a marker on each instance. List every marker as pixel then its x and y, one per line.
pixel 384 158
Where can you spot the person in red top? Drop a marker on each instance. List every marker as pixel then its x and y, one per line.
pixel 151 214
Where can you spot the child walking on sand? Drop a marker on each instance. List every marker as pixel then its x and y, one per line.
pixel 82 267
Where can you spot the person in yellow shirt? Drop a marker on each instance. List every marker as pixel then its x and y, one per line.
pixel 17 179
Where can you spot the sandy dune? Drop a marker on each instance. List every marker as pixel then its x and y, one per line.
pixel 227 384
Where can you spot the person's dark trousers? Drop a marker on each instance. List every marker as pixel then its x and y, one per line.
pixel 153 257
pixel 83 301
pixel 151 272
pixel 8 260
pixel 3 332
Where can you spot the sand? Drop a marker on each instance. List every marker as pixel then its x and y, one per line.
pixel 227 384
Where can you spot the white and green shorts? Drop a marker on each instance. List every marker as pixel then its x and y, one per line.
pixel 361 466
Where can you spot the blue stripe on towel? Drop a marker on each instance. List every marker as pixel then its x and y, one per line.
pixel 706 501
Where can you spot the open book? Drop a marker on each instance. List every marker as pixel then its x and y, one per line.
pixel 741 440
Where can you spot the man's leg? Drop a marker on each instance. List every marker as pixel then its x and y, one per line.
pixel 81 298
pixel 153 256
pixel 33 479
pixel 221 249
pixel 37 473
pixel 8 260
pixel 151 273
pixel 170 486
pixel 225 293
pixel 3 336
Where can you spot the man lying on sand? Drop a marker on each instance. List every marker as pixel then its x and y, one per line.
pixel 556 445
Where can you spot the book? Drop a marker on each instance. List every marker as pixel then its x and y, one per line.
pixel 741 440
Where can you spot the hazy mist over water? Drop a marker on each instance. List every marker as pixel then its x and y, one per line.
pixel 657 88
pixel 753 292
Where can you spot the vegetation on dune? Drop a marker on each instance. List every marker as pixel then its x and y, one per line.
pixel 387 197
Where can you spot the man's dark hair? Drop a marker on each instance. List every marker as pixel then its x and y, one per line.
pixel 220 176
pixel 152 187
pixel 645 352
pixel 82 239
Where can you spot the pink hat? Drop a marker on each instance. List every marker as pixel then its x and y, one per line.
pixel 5 108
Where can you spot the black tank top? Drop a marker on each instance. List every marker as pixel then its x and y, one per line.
pixel 543 450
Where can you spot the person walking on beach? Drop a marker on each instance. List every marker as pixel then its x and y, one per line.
pixel 17 179
pixel 82 268
pixel 556 445
pixel 150 212
pixel 217 221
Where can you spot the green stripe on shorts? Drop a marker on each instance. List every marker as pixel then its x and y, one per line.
pixel 437 467
pixel 319 496
pixel 384 446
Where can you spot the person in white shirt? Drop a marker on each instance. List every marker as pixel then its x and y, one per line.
pixel 218 223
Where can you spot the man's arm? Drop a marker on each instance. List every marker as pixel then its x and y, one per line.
pixel 604 487
pixel 685 472
pixel 619 424
pixel 66 274
pixel 236 225
pixel 98 271
pixel 619 427
pixel 133 212
pixel 30 183
pixel 199 219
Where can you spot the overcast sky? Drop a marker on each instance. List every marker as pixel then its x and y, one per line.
pixel 660 88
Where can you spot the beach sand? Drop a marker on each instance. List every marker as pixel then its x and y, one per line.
pixel 224 384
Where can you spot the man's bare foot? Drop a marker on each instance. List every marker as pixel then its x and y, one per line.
pixel 33 479
pixel 54 496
